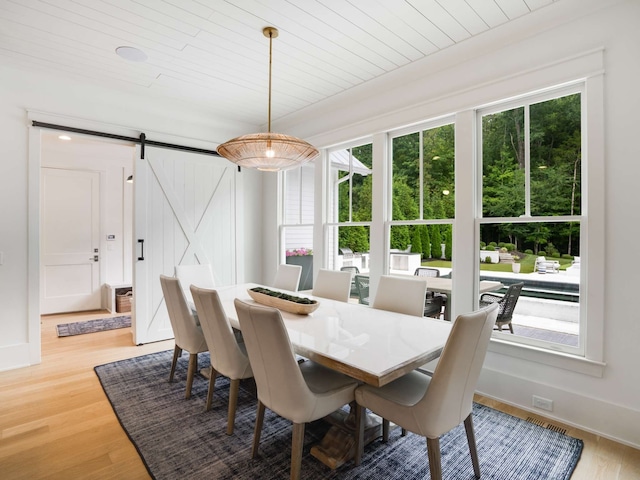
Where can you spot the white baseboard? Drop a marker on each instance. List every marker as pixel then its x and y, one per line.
pixel 15 356
pixel 593 415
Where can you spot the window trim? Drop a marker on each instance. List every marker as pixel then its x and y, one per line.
pixel 591 360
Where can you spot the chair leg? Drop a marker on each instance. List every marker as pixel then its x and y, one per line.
pixel 233 402
pixel 433 452
pixel 403 432
pixel 510 327
pixel 297 442
pixel 212 385
pixel 385 430
pixel 191 372
pixel 177 351
pixel 257 431
pixel 360 413
pixel 471 440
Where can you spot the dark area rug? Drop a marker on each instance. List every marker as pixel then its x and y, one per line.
pixel 176 438
pixel 92 326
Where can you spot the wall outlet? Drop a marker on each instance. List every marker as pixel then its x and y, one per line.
pixel 543 403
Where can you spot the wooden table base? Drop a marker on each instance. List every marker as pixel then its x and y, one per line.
pixel 338 446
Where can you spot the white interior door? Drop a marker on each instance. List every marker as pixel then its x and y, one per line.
pixel 70 239
pixel 184 207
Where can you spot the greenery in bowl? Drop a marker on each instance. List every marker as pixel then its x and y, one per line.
pixel 284 296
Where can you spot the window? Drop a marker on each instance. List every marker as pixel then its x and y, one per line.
pixel 530 204
pixel 298 210
pixel 512 178
pixel 349 212
pixel 422 196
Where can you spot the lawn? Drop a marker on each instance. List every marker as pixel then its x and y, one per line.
pixel 526 264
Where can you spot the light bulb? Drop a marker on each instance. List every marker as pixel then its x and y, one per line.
pixel 270 153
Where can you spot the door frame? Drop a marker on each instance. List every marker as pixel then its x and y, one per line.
pixel 34 340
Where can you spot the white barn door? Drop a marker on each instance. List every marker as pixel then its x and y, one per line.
pixel 184 211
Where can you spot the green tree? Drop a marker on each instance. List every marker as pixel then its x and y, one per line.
pixel 436 241
pixel 416 240
pixel 448 242
pixel 426 241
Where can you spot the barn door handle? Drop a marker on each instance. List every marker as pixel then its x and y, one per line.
pixel 141 242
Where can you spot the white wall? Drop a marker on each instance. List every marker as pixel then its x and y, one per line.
pixel 50 98
pixel 466 76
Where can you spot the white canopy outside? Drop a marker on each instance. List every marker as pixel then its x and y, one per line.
pixel 340 160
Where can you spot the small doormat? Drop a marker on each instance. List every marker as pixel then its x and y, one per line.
pixel 92 326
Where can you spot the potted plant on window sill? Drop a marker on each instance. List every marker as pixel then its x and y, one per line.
pixel 304 258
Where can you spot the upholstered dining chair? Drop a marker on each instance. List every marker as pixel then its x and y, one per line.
pixel 188 335
pixel 432 405
pixel 333 284
pixel 287 277
pixel 198 275
pixel 228 357
pixel 300 393
pixel 507 303
pixel 401 295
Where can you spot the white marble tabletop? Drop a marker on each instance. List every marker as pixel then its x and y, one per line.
pixel 374 346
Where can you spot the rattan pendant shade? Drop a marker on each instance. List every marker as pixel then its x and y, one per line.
pixel 250 151
pixel 268 151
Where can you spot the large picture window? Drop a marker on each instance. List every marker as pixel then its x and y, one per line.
pixel 422 199
pixel 530 219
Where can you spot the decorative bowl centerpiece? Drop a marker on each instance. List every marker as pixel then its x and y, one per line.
pixel 283 301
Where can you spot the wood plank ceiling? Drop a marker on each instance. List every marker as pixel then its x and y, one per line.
pixel 213 52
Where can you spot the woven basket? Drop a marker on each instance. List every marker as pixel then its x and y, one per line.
pixel 123 302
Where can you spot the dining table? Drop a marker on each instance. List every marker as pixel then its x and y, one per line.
pixel 445 285
pixel 370 345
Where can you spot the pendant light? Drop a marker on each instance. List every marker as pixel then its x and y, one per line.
pixel 268 151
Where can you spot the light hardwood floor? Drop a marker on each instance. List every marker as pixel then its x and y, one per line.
pixel 56 422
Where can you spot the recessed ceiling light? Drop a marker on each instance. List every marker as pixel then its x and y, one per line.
pixel 64 137
pixel 132 54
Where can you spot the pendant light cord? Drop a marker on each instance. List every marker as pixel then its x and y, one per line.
pixel 270 57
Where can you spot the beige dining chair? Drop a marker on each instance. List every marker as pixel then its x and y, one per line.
pixel 228 357
pixel 432 405
pixel 287 277
pixel 401 295
pixel 300 393
pixel 334 284
pixel 198 275
pixel 188 335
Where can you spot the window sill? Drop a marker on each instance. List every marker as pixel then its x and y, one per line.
pixel 548 357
